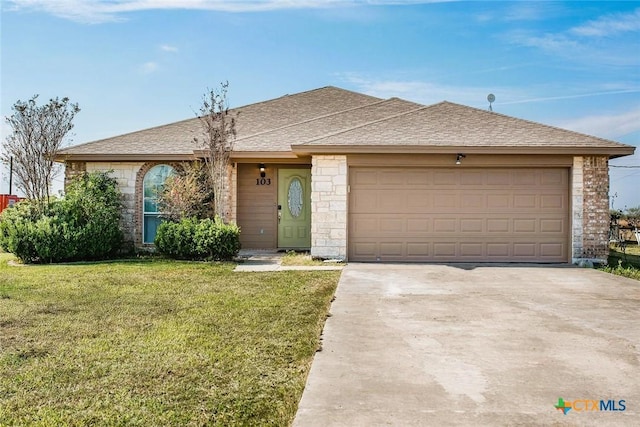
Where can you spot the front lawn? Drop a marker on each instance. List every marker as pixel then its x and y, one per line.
pixel 156 343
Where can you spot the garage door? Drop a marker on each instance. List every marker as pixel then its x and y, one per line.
pixel 459 215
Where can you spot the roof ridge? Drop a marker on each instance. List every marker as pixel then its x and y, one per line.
pixel 382 101
pixel 393 116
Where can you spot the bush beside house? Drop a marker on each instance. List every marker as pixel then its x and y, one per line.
pixel 84 225
pixel 198 239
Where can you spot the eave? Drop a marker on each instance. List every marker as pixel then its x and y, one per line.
pixel 612 152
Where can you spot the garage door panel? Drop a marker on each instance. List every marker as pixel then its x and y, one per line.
pixel 418 225
pixel 525 201
pixel 444 201
pixel 444 225
pixel 418 249
pixel 498 225
pixel 472 201
pixel 525 178
pixel 552 201
pixel 364 177
pixel 552 226
pixel 392 225
pixel 444 249
pixel 443 215
pixel 445 178
pixel 524 225
pixel 498 201
pixel 527 250
pixel 551 250
pixel 554 177
pixel 472 178
pixel 498 177
pixel 471 249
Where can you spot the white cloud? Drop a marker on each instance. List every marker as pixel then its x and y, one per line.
pixel 571 96
pixel 168 48
pixel 606 125
pixel 148 67
pixel 610 25
pixel 613 48
pixel 100 11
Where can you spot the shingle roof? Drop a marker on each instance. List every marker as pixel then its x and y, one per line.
pixel 177 138
pixel 282 138
pixel 332 119
pixel 449 124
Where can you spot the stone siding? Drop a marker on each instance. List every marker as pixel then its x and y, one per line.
pixel 126 173
pixel 329 207
pixel 577 208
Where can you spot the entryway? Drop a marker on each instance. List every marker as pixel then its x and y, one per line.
pixel 294 208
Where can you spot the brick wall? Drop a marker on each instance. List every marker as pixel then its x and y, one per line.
pixel 73 169
pixel 590 209
pixel 329 207
pixel 595 218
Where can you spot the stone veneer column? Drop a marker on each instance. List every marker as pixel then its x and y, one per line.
pixel 329 207
pixel 576 209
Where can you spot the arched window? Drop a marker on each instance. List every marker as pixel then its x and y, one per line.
pixel 152 185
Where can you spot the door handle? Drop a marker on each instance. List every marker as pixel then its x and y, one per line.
pixel 279 216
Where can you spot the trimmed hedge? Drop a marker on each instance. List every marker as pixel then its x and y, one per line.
pixel 194 239
pixel 83 226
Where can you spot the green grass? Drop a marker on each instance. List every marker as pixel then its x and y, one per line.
pixel 623 270
pixel 156 342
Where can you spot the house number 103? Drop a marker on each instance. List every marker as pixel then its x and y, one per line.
pixel 263 181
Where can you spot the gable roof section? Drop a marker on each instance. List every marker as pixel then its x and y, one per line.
pixel 176 140
pixel 282 138
pixel 333 120
pixel 448 127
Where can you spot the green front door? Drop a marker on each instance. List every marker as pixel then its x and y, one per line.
pixel 294 208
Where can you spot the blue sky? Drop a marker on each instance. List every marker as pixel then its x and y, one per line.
pixel 132 64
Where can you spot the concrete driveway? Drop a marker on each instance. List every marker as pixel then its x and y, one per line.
pixel 443 345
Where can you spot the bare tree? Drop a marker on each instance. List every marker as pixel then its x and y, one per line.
pixel 38 132
pixel 219 136
pixel 188 193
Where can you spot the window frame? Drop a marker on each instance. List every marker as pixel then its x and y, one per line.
pixel 153 215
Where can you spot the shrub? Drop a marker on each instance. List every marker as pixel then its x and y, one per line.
pixel 85 225
pixel 195 239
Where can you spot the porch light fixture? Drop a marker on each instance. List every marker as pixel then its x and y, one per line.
pixel 262 171
pixel 459 158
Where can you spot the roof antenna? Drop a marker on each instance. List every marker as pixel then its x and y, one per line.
pixel 491 97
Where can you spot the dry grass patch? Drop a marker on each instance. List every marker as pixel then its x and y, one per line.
pixel 293 258
pixel 156 343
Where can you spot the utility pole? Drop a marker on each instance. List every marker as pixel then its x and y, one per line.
pixel 10 175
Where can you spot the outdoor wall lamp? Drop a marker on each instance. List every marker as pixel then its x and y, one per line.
pixel 262 170
pixel 459 158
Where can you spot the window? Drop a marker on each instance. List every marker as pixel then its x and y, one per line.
pixel 153 185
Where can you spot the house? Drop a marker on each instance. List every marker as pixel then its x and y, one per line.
pixel 355 177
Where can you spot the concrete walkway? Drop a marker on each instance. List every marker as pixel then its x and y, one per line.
pixel 257 261
pixel 437 345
